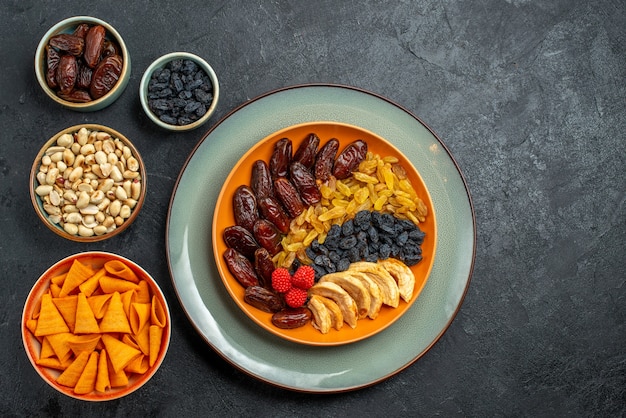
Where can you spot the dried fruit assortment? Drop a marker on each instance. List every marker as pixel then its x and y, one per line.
pixel 180 93
pixel 323 235
pixel 84 65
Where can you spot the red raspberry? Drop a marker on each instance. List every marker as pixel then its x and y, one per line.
pixel 304 277
pixel 281 280
pixel 296 297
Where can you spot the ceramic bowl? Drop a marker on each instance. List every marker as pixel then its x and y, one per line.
pixel 68 26
pixel 107 188
pixel 183 94
pixel 241 174
pixel 137 354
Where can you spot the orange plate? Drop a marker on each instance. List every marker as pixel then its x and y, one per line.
pixel 224 217
pixel 96 260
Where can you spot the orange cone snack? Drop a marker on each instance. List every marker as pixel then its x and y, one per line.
pixel 119 269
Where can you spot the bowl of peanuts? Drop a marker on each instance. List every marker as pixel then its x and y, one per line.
pixel 88 183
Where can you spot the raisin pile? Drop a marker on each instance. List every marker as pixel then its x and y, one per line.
pixel 180 93
pixel 369 236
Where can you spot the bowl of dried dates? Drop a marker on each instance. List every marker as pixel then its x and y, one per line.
pixel 82 63
pixel 179 91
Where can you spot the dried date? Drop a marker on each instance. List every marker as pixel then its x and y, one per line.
pixel 325 160
pixel 66 74
pixel 240 239
pixel 241 268
pixel 264 266
pixel 349 159
pixel 261 179
pixel 85 74
pixel 110 48
pixel 263 299
pixel 105 76
pixel 272 211
pixel 289 196
pixel 305 154
pixel 245 208
pixel 81 30
pixel 292 318
pixel 281 158
pixel 94 41
pixel 76 96
pixel 52 63
pixel 71 44
pixel 305 183
pixel 268 236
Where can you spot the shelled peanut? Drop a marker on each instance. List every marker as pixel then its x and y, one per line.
pixel 89 182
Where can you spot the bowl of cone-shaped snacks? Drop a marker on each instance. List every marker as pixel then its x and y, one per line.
pixel 96 326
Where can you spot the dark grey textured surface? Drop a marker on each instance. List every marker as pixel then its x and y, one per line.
pixel 530 97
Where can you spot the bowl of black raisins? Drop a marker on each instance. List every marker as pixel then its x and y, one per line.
pixel 179 91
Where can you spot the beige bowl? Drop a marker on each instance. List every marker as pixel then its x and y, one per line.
pixel 88 183
pixel 67 26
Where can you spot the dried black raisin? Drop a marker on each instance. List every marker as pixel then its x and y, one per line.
pixel 202 96
pixel 334 256
pixel 347 228
pixel 200 111
pixel 372 232
pixel 403 238
pixel 167 92
pixel 417 235
pixel 347 242
pixel 372 258
pixel 168 119
pixel 343 264
pixel 176 65
pixel 384 251
pixel 164 76
pixel 363 220
pixel 177 83
pixel 353 255
pixel 192 106
pixel 189 67
pixel 159 104
pixel 193 85
pixel 319 271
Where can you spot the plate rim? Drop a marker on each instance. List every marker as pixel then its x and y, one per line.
pixel 459 172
